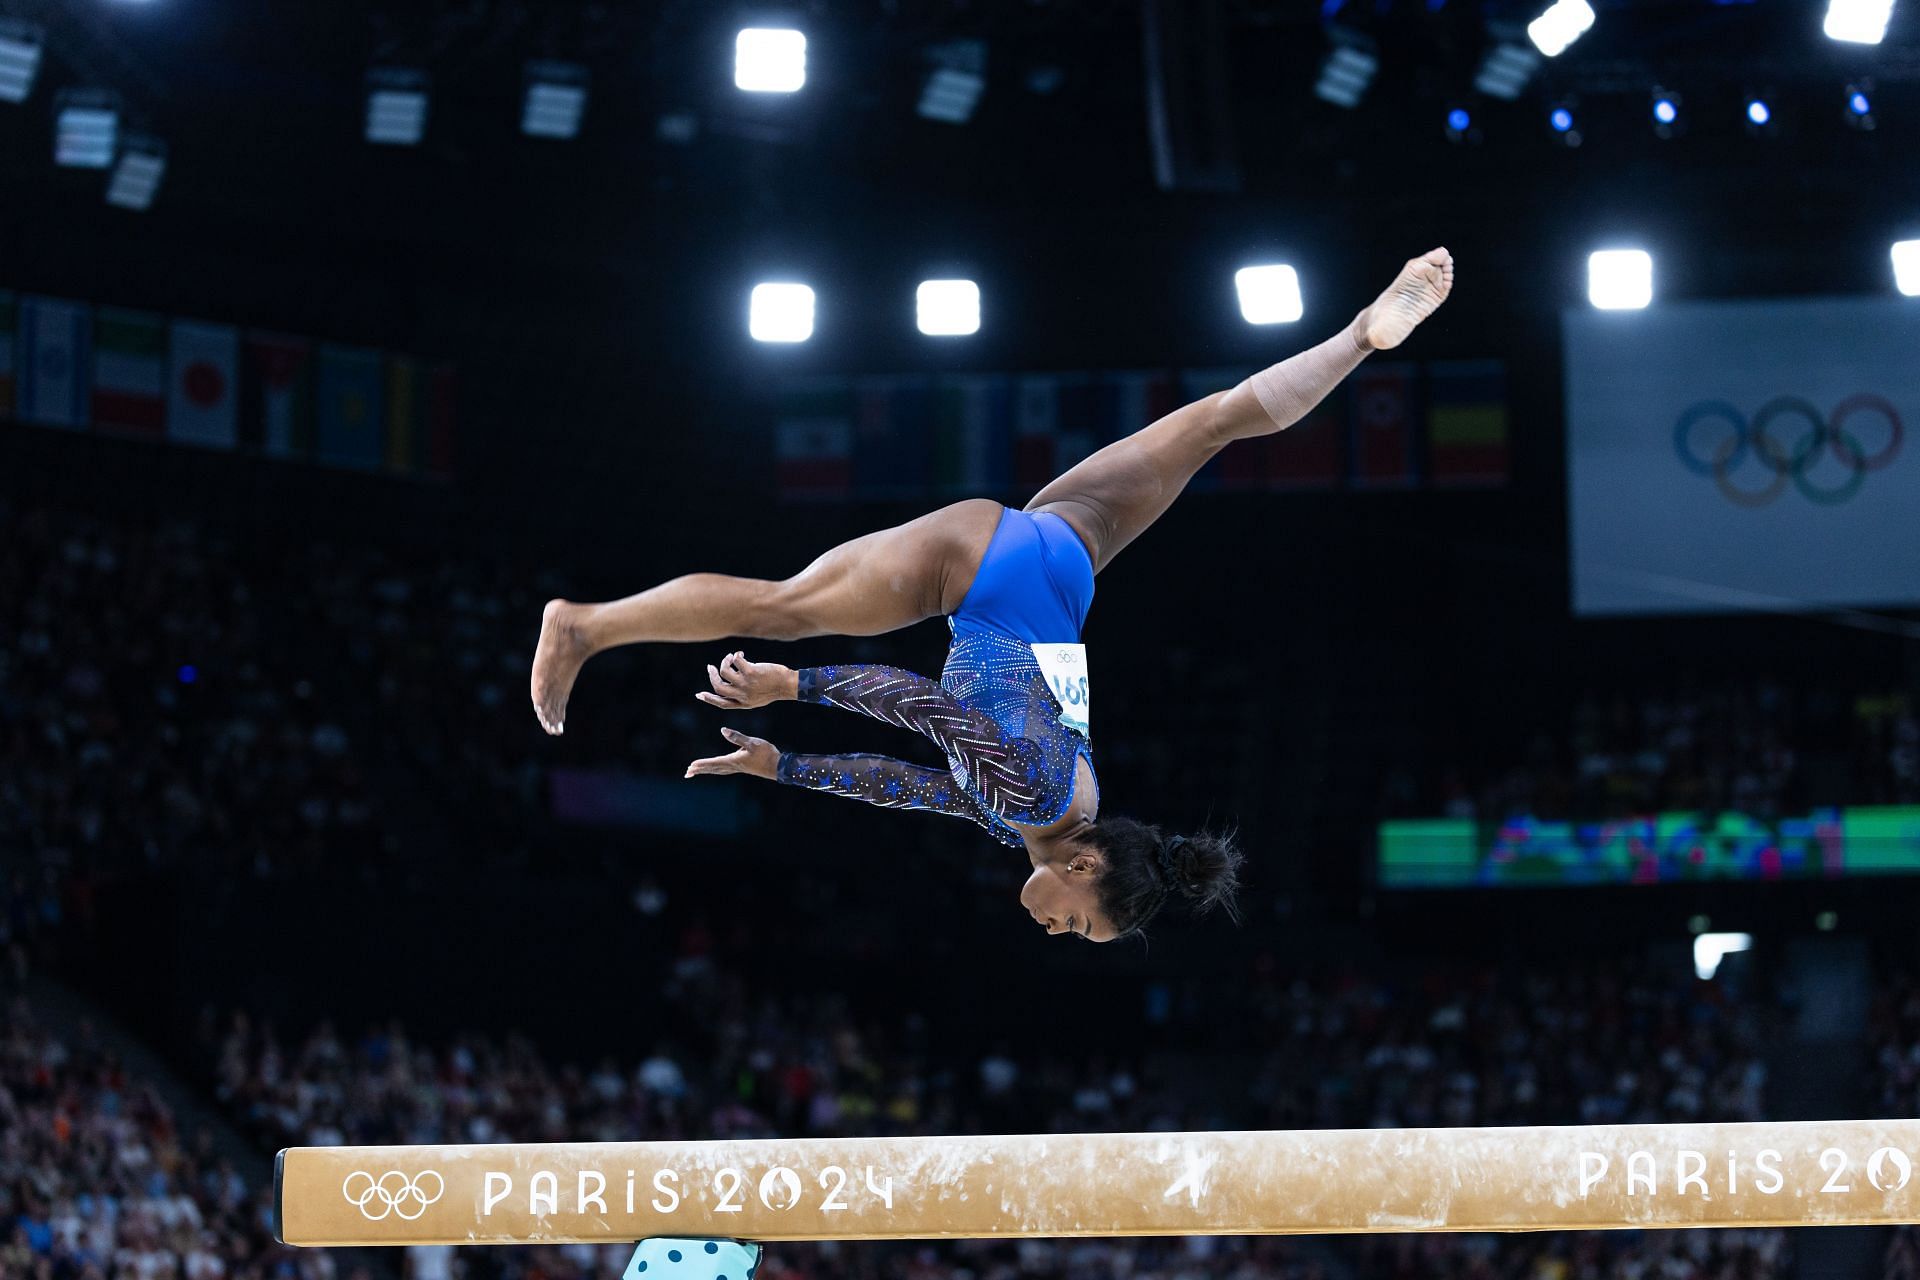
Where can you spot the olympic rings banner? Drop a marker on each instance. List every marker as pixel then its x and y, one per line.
pixel 1737 456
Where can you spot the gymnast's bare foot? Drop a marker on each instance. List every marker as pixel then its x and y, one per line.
pixel 1416 293
pixel 557 662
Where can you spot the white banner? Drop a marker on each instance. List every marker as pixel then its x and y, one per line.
pixel 1744 456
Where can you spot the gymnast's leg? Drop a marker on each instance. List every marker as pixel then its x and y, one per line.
pixel 880 582
pixel 1113 496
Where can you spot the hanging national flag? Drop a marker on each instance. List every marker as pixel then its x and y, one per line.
pixel 441 385
pixel 892 416
pixel 813 438
pixel 1380 423
pixel 1467 423
pixel 349 403
pixel 1247 463
pixel 1036 430
pixel 129 371
pixel 1086 411
pixel 1307 454
pixel 973 435
pixel 279 414
pixel 9 312
pixel 56 359
pixel 1141 397
pixel 203 396
pixel 406 415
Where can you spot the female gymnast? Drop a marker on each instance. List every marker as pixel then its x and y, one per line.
pixel 1009 711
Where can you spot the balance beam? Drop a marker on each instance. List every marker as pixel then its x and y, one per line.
pixel 1839 1173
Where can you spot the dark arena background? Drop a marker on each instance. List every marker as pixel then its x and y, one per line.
pixel 1559 674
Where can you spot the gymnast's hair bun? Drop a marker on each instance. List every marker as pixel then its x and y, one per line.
pixel 1203 869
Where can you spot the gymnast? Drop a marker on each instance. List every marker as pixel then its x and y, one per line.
pixel 1009 712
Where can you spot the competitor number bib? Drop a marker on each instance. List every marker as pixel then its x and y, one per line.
pixel 1065 669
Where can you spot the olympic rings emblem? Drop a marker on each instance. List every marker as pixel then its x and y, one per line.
pixel 1787 463
pixel 392 1193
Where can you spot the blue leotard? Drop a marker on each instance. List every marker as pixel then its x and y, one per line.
pixel 1010 759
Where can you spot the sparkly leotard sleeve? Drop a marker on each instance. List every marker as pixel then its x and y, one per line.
pixel 1009 757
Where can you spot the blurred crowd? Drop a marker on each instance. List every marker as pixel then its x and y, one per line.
pixel 1761 748
pixel 97 1182
pixel 1614 1044
pixel 161 702
pixel 177 696
pixel 1893 1029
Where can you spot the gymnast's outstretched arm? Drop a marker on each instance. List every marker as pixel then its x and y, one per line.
pixel 878 780
pixel 1005 771
pixel 889 783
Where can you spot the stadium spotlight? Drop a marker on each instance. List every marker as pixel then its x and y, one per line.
pixel 1560 120
pixel 136 175
pixel 959 76
pixel 1709 949
pixel 770 60
pixel 86 129
pixel 396 106
pixel 1906 267
pixel 1348 69
pixel 1666 112
pixel 1620 279
pixel 1858 21
pixel 1506 69
pixel 556 99
pixel 19 60
pixel 780 312
pixel 1269 294
pixel 1859 111
pixel 948 308
pixel 1759 115
pixel 1564 22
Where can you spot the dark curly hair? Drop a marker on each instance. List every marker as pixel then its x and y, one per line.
pixel 1145 867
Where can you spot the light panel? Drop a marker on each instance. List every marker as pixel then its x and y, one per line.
pixel 19 60
pixel 86 129
pixel 1269 293
pixel 1858 21
pixel 136 175
pixel 1709 949
pixel 780 311
pixel 1620 279
pixel 1505 71
pixel 396 107
pixel 950 96
pixel 1906 267
pixel 770 60
pixel 948 308
pixel 1346 75
pixel 556 99
pixel 1563 23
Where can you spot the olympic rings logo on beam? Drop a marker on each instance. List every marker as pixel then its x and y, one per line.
pixel 1791 461
pixel 392 1193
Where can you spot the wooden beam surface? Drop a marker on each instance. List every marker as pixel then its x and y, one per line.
pixel 1255 1183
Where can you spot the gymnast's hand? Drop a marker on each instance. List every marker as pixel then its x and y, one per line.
pixel 739 685
pixel 756 756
